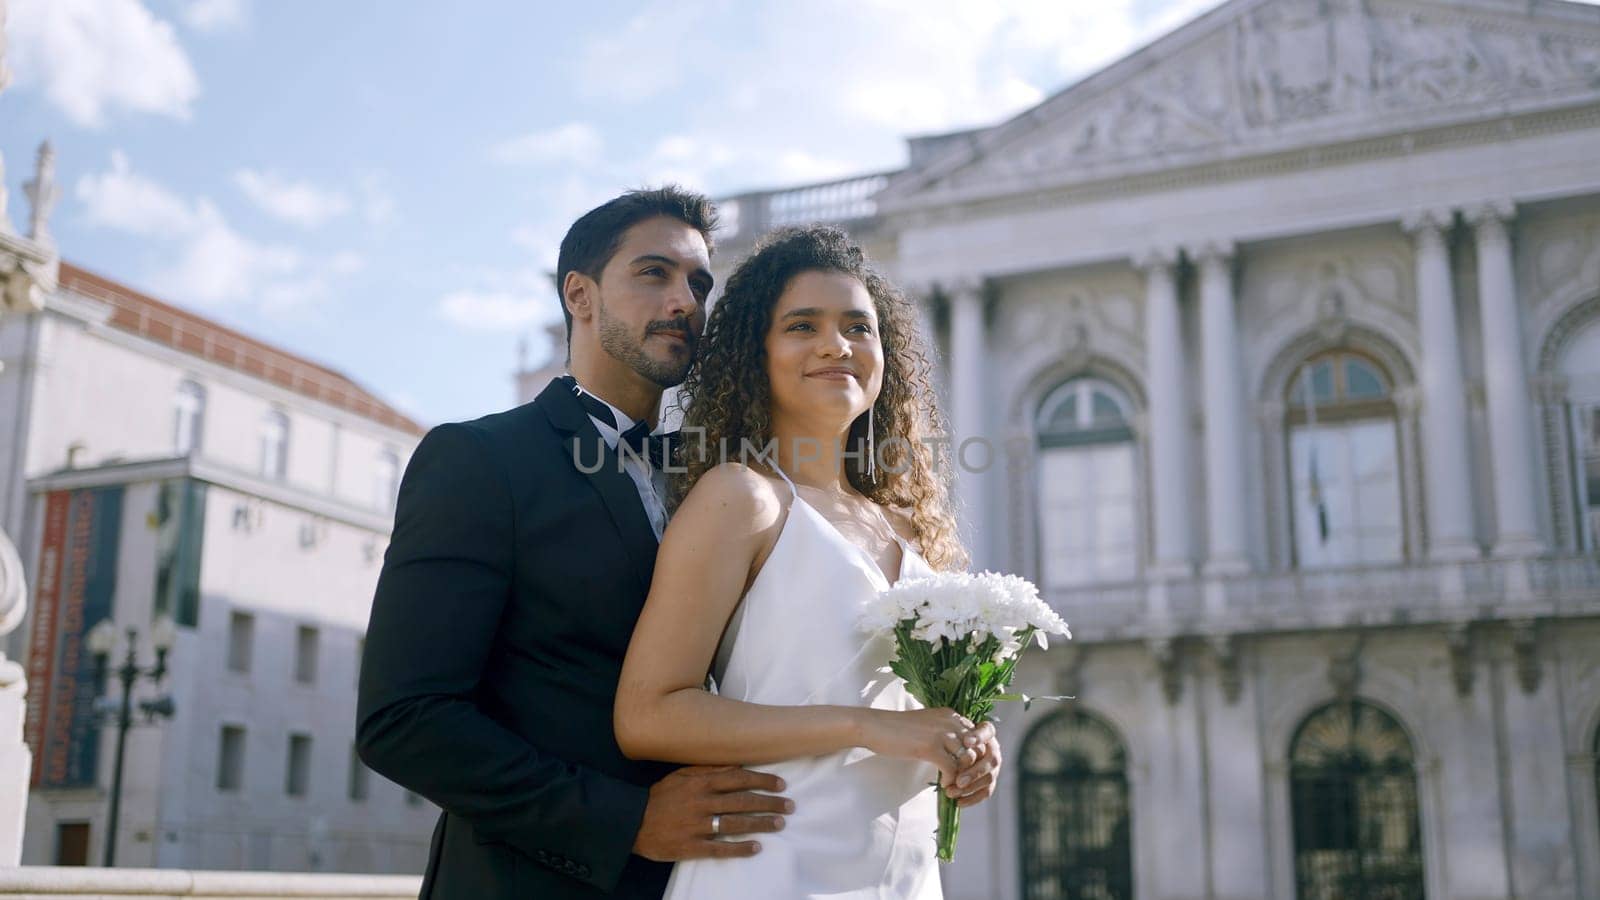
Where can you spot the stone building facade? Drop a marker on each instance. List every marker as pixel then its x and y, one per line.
pixel 1285 333
pixel 157 465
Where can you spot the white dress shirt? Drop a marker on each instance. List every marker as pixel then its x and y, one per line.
pixel 647 479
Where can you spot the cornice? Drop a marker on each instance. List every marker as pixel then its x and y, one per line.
pixel 1163 176
pixel 202 469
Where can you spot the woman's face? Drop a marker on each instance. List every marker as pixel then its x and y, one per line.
pixel 824 355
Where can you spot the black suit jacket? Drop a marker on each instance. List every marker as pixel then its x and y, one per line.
pixel 509 591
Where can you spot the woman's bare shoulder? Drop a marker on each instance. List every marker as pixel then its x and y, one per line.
pixel 735 491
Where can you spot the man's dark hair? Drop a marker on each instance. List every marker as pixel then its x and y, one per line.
pixel 593 239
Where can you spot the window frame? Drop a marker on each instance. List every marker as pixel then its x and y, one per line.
pixel 273 436
pixel 188 408
pixel 231 780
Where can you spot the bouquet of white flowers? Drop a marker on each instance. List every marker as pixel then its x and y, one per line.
pixel 957 639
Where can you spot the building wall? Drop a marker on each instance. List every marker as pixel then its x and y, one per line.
pixel 310 557
pixel 113 394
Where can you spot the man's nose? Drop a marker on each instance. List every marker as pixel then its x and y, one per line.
pixel 681 300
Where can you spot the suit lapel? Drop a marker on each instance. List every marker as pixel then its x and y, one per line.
pixel 588 453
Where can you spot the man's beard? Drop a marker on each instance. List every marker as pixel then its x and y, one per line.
pixel 619 342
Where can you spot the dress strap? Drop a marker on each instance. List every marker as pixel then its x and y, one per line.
pixel 793 493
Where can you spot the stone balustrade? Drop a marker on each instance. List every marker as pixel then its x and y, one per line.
pixel 747 216
pixel 1411 594
pixel 29 882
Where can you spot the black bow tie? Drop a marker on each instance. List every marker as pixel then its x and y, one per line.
pixel 657 448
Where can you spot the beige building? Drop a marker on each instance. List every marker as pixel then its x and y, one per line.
pixel 157 465
pixel 1285 333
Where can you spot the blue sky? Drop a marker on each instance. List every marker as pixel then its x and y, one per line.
pixel 382 186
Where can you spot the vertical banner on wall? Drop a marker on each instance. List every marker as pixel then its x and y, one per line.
pixel 180 523
pixel 76 581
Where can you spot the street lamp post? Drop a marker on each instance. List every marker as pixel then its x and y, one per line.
pixel 102 640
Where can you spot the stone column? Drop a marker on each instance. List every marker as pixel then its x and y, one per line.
pixel 966 404
pixel 1444 394
pixel 1169 460
pixel 1224 412
pixel 1507 384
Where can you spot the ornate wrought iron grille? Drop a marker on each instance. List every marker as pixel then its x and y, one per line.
pixel 1353 787
pixel 1076 842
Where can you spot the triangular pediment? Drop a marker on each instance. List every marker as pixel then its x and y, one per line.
pixel 1260 76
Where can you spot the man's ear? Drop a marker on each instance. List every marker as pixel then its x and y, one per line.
pixel 580 293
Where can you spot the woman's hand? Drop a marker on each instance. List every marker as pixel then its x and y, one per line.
pixel 977 782
pixel 938 736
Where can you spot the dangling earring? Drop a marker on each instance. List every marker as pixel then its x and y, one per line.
pixel 872 451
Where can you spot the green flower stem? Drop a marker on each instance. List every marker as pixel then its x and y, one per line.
pixel 949 826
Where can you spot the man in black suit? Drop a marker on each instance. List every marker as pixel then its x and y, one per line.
pixel 515 574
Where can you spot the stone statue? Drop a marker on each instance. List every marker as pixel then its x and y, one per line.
pixel 5 220
pixel 42 194
pixel 16 762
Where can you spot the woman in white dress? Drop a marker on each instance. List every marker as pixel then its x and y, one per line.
pixel 811 490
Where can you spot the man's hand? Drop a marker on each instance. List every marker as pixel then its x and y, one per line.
pixel 976 780
pixel 677 817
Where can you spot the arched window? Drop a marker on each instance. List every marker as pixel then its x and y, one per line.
pixel 1088 526
pixel 188 418
pixel 386 481
pixel 275 445
pixel 1344 462
pixel 1580 364
pixel 1353 787
pixel 1076 819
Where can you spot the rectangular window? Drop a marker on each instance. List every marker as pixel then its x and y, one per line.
pixel 305 655
pixel 1088 515
pixel 230 759
pixel 358 777
pixel 275 445
pixel 386 482
pixel 241 640
pixel 1346 481
pixel 298 777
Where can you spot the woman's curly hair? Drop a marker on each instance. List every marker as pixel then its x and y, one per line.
pixel 727 392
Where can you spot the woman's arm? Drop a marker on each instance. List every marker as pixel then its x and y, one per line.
pixel 725 527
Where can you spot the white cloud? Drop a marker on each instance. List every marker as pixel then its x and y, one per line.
pixel 216 15
pixel 297 202
pixel 818 109
pixel 217 265
pixel 493 310
pixel 529 238
pixel 122 199
pixel 205 259
pixel 574 142
pixel 563 201
pixel 95 57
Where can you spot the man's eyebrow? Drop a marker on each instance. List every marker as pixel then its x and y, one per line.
pixel 700 273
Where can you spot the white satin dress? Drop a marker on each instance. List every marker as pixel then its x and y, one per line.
pixel 863 826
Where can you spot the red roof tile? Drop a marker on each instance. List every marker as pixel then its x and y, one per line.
pixel 196 335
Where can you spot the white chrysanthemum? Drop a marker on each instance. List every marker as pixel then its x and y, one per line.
pixel 951 606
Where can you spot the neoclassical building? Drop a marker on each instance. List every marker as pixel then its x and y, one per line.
pixel 156 466
pixel 1285 334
